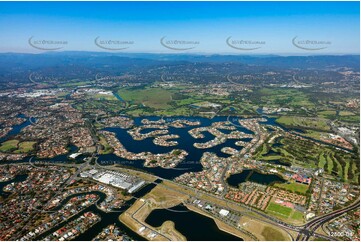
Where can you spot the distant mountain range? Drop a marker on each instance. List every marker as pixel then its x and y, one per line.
pixel 11 61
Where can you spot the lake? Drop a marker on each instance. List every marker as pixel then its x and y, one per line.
pixel 192 225
pixel 253 176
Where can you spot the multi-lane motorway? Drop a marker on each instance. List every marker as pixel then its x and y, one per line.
pixel 305 232
pixel 310 227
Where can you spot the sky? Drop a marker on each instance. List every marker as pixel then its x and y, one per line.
pixel 284 28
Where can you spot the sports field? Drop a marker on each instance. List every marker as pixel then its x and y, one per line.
pixel 279 209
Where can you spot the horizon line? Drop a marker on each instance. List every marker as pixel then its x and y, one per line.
pixel 185 53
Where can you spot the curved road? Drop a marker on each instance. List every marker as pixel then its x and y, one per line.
pixel 310 227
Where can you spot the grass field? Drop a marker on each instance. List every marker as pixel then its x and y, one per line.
pixel 291 97
pixel 293 187
pixel 294 150
pixel 346 113
pixel 297 215
pixel 316 134
pixel 351 118
pixel 151 97
pixel 158 198
pixel 107 149
pixel 25 147
pixel 271 234
pixel 9 145
pixel 285 213
pixel 104 97
pixel 263 231
pixel 14 146
pixel 145 100
pixel 279 209
pixel 163 102
pixel 329 114
pixel 74 83
pixel 304 122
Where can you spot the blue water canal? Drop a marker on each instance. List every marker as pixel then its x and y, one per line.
pixel 194 226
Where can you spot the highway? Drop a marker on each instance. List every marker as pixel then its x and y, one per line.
pixel 284 225
pixel 310 227
pixel 266 218
pixel 305 232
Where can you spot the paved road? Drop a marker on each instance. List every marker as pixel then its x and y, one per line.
pixel 304 231
pixel 310 227
pixel 276 222
pixel 145 225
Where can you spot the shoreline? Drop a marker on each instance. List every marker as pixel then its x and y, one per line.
pixel 221 225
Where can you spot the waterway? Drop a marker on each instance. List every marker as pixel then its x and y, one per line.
pixel 201 228
pixel 18 178
pixel 277 162
pixel 118 96
pixel 107 218
pixel 254 176
pixel 192 225
pixel 185 142
pixel 17 128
